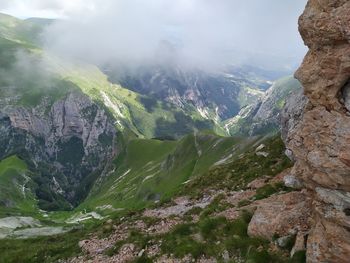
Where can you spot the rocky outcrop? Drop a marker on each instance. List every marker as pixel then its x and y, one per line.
pixel 65 146
pixel 281 216
pixel 319 142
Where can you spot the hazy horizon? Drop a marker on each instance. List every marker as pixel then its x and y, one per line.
pixel 199 33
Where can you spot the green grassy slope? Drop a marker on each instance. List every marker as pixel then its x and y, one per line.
pixel 151 170
pixel 16 195
pixel 218 234
pixel 243 168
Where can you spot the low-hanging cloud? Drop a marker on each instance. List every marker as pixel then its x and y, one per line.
pixel 193 32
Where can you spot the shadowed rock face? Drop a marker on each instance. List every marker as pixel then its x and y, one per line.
pixel 320 141
pixel 64 146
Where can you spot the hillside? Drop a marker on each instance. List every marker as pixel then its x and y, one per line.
pixel 264 115
pixel 61 117
pixel 209 207
pixel 157 164
pixel 150 170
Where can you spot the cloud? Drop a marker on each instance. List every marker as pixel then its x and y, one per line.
pixel 198 32
pixel 46 8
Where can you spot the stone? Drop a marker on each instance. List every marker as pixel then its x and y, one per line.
pixel 260 147
pixel 340 200
pixel 283 241
pixel 264 154
pixel 300 244
pixel 226 256
pixel 328 242
pixel 292 182
pixel 257 183
pixel 141 253
pixel 280 215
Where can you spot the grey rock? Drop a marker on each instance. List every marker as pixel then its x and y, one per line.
pixel 73 139
pixel 346 96
pixel 260 147
pixel 339 199
pixel 292 114
pixel 283 241
pixel 264 154
pixel 292 181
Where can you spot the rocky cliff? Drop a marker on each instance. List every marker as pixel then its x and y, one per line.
pixel 319 132
pixel 64 146
pixel 265 115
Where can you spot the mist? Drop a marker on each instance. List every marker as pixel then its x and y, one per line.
pixel 191 33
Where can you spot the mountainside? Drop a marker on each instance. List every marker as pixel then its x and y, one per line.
pixel 150 171
pixel 74 140
pixel 61 117
pixel 217 95
pixel 264 115
pixel 103 164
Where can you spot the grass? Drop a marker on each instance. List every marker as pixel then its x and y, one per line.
pixel 217 235
pixel 268 190
pixel 16 186
pixel 43 249
pixel 243 168
pixel 148 171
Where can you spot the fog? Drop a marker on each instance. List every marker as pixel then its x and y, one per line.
pixel 200 33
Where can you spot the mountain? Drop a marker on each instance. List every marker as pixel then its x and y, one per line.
pixel 61 117
pixel 216 95
pixel 264 115
pixel 135 161
pixel 66 121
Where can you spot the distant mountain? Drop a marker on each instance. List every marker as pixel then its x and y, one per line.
pixel 264 115
pixel 61 118
pixel 217 95
pixel 65 121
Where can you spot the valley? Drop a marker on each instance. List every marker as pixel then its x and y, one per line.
pixel 102 162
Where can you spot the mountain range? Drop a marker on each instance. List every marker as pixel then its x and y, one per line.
pixel 80 141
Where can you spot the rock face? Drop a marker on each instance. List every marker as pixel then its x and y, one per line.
pixel 64 146
pixel 319 141
pixel 265 115
pixel 283 215
pixel 218 95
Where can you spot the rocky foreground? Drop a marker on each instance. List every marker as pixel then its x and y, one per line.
pixel 282 220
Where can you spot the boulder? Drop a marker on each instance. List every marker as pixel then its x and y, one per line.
pixel 281 215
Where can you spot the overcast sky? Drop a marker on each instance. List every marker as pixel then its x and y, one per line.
pixel 203 31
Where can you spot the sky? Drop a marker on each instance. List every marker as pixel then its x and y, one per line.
pixel 195 32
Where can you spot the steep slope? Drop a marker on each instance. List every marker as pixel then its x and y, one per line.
pixel 15 184
pixel 264 115
pixel 208 221
pixel 214 95
pixel 149 171
pixel 61 117
pixel 65 146
pixel 319 138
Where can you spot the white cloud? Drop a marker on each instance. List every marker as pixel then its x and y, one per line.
pixel 132 30
pixel 46 8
